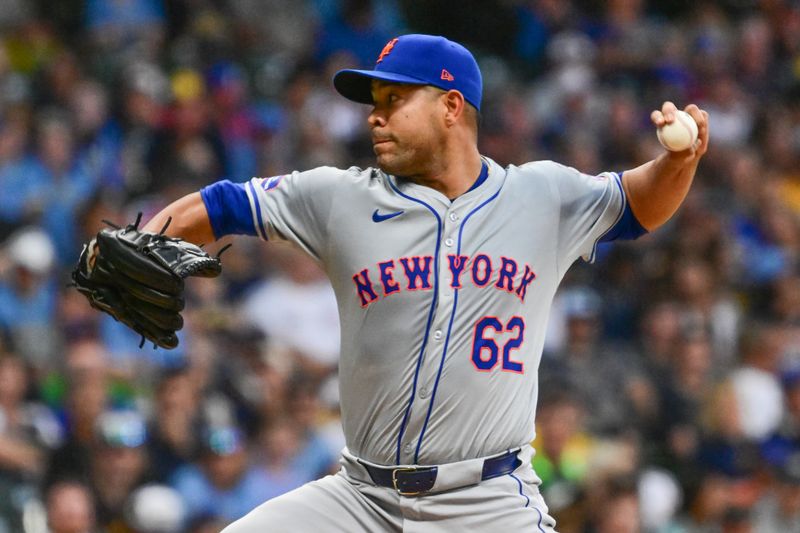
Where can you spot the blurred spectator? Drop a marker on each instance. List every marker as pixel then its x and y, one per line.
pixel 742 181
pixel 726 450
pixel 145 94
pixel 172 443
pixel 329 122
pixel 312 458
pixel 118 464
pixel 247 388
pixel 676 432
pixel 62 187
pixel 235 119
pixel 28 432
pixel 61 75
pixel 731 109
pixel 127 29
pixel 284 457
pixel 626 40
pixel 596 371
pixel 616 507
pixel 660 333
pixel 620 146
pixel 538 20
pixel 223 485
pixel 98 137
pixel 70 508
pixel 188 152
pixel 770 243
pixel 755 56
pixel 15 188
pixel 297 310
pixel 706 306
pixel 565 96
pixel 563 455
pixel 759 396
pixel 87 397
pixel 28 296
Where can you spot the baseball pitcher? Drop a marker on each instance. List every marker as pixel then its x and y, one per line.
pixel 444 264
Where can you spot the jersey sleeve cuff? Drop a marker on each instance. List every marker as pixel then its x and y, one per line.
pixel 228 209
pixel 627 227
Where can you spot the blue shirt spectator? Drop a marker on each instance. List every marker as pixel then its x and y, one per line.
pixel 224 485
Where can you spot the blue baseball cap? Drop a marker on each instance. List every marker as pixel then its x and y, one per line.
pixel 223 441
pixel 418 60
pixel 122 429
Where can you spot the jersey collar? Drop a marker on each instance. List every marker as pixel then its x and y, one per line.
pixel 488 181
pixel 482 176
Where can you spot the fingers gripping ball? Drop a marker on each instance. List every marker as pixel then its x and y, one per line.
pixel 137 278
pixel 680 134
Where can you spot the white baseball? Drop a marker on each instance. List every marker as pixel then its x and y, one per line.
pixel 680 134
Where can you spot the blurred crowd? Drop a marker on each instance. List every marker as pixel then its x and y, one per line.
pixel 670 383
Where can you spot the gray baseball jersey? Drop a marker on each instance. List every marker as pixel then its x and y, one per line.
pixel 443 304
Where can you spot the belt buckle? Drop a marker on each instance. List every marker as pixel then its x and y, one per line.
pixel 394 481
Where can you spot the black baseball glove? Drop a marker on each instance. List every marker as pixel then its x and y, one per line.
pixel 137 278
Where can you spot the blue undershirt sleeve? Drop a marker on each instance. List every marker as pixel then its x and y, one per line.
pixel 228 209
pixel 627 227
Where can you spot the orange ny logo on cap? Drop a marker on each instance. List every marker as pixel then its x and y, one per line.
pixel 386 50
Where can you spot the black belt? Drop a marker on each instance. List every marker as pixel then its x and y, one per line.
pixel 415 480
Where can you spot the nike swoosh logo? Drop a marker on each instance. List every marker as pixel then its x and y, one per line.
pixel 376 217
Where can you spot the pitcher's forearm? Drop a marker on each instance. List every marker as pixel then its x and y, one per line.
pixel 189 220
pixel 656 189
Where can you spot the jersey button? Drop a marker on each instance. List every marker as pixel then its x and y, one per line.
pixel 408 448
pixel 453 217
pixel 449 242
pixel 437 335
pixel 423 392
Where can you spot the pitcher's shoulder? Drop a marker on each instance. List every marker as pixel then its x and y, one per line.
pixel 541 169
pixel 536 174
pixel 328 172
pixel 330 176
